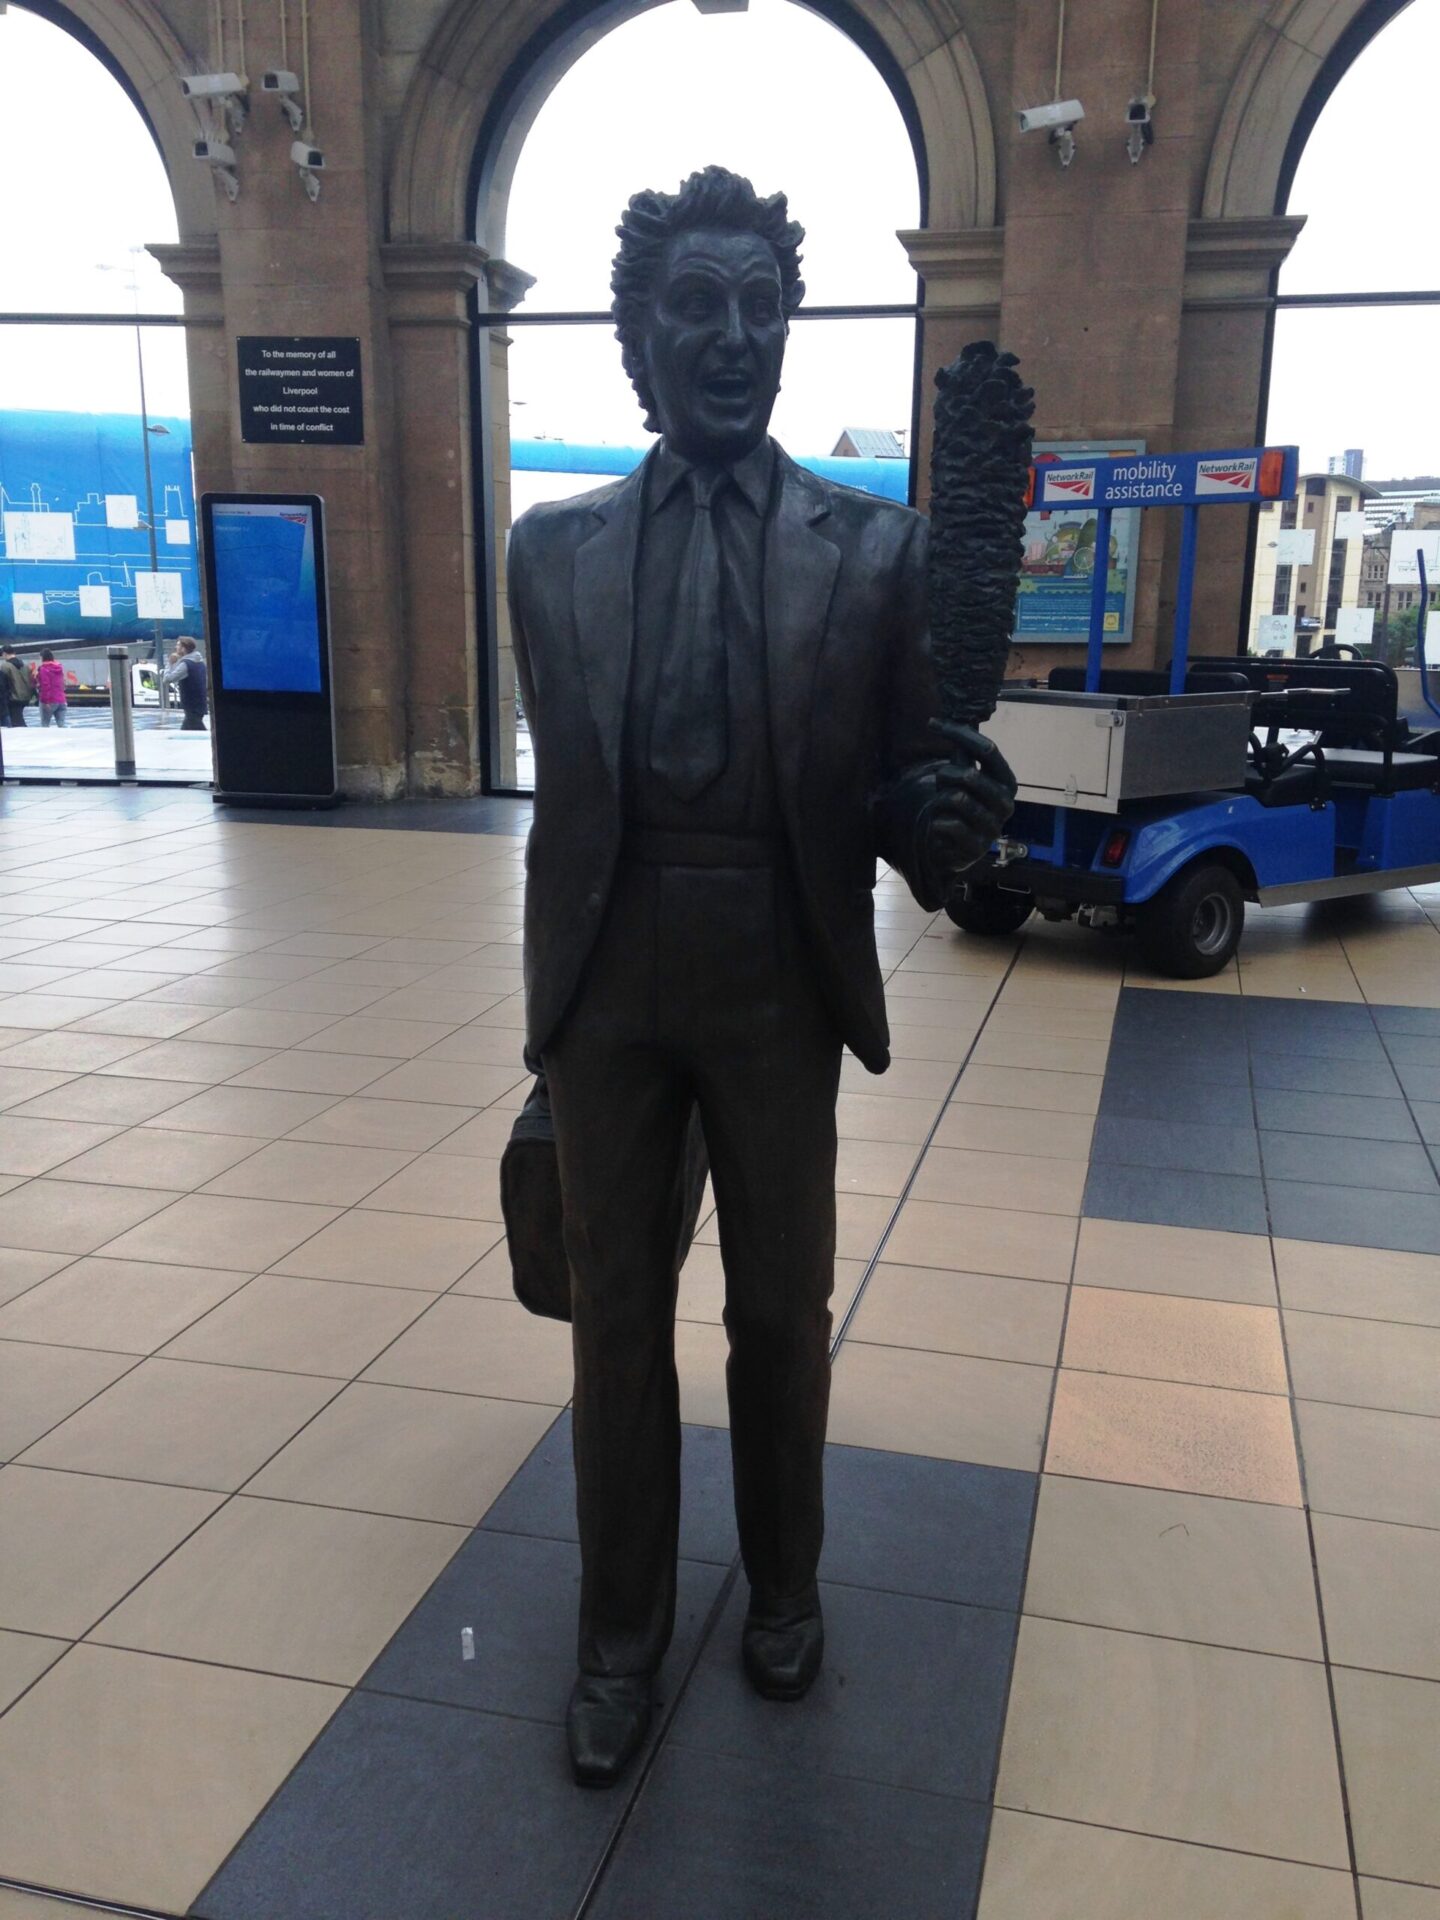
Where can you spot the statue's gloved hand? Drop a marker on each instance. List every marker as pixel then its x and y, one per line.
pixel 970 806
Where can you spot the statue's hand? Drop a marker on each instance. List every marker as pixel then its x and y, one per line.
pixel 971 805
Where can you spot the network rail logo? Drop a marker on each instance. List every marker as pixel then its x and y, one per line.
pixel 1225 476
pixel 1073 483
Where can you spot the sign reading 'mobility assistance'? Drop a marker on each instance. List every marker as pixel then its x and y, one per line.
pixel 304 392
pixel 1168 480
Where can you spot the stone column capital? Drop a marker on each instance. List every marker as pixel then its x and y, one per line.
pixel 194 266
pixel 1230 263
pixel 507 284
pixel 961 268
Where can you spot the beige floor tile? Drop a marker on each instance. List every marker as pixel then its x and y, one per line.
pixel 260 1027
pixel 466 1344
pixel 1029 1087
pixel 700 1354
pixel 1365 1363
pixel 130 1778
pixel 1065 1023
pixel 969 1239
pixel 310 1592
pixel 257 1113
pixel 333 1073
pixel 1028 1183
pixel 23 1658
pixel 453 1186
pixel 1178 1565
pixel 304 1171
pixel 387 1039
pixel 1191 1261
pixel 448 1083
pixel 904 1079
pixel 204 1062
pixel 1368 1282
pixel 1371 1465
pixel 209 1228
pixel 71 1216
pixel 318 996
pixel 702 1283
pixel 99 1097
pixel 1154 1433
pixel 1037 1867
pixel 362 1122
pixel 1381 1589
pixel 943 1405
pixel 167 1157
pixel 301 1326
pixel 27 1083
pixel 58 1007
pixel 1381 1900
pixel 71 1546
pixel 1390 1743
pixel 491 1276
pixel 144 1019
pixel 71 1052
pixel 403 1451
pixel 479 1046
pixel 40 1386
pixel 921 1040
pixel 873 1166
pixel 393 1250
pixel 980 1314
pixel 22 1268
pixel 30 1146
pixel 184 1425
pixel 485 1136
pixel 118 1306
pixel 1158 1336
pixel 1170 1738
pixel 860 1220
pixel 1005 1130
pixel 876 1116
pixel 1053 1052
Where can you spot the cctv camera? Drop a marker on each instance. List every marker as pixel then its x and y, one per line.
pixel 279 81
pixel 304 155
pixel 216 152
pixel 1137 114
pixel 1059 113
pixel 210 86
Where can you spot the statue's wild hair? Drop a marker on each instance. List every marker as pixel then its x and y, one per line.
pixel 714 199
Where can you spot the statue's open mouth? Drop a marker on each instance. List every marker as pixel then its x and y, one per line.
pixel 729 386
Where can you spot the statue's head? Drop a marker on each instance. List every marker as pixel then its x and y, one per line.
pixel 704 285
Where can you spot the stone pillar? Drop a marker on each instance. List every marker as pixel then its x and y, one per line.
pixel 961 272
pixel 195 268
pixel 429 287
pixel 507 286
pixel 290 266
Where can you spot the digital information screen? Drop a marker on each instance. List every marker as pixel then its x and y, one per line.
pixel 266 594
pixel 267 611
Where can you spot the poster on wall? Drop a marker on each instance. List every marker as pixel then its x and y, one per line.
pixel 1058 569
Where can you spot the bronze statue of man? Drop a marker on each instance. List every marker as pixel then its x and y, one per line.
pixel 726 670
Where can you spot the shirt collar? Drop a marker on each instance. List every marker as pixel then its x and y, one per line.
pixel 752 475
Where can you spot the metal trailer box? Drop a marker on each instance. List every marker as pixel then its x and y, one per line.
pixel 1095 750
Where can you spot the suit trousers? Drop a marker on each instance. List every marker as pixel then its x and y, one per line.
pixel 699 990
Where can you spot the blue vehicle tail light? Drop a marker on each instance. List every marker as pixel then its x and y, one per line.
pixel 1115 848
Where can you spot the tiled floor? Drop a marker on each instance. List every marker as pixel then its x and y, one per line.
pixel 1134 1531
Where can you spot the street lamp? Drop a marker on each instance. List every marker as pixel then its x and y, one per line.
pixel 132 283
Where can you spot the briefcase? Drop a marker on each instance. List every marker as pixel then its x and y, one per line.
pixel 531 1202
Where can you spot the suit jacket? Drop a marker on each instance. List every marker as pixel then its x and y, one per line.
pixel 851 695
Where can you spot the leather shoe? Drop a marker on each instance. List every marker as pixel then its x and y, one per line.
pixel 782 1648
pixel 606 1723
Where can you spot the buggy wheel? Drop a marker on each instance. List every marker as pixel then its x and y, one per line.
pixel 1192 927
pixel 990 910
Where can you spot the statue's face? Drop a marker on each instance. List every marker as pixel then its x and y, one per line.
pixel 714 340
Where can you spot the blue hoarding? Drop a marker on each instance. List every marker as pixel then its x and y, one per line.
pixel 74 539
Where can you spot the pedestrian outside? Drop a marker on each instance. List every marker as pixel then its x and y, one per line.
pixel 186 673
pixel 17 689
pixel 50 685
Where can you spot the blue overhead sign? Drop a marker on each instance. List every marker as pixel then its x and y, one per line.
pixel 1242 477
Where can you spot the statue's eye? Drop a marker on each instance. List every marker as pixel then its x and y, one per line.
pixel 695 305
pixel 763 310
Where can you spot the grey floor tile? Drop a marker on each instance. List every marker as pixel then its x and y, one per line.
pixel 540 1499
pixel 1387 1164
pixel 1160 1197
pixel 403 1810
pixel 1427 1119
pixel 1347 1116
pixel 1353 1217
pixel 912 1694
pixel 1316 1073
pixel 1419 1082
pixel 1198 1060
pixel 520 1599
pixel 1183 1145
pixel 1138 1094
pixel 942 1529
pixel 716 1838
pixel 1408 1020
pixel 1413 1049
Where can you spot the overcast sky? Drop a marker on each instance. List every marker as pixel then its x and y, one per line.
pixel 819 122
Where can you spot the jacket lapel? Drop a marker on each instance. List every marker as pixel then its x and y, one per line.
pixel 604 600
pixel 800 571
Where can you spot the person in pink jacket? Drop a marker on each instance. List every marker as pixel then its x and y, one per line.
pixel 50 686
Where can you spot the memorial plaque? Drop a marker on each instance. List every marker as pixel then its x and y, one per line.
pixel 304 391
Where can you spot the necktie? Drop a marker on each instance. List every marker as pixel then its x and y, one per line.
pixel 689 733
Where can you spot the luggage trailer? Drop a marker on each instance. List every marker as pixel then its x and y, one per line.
pixel 1163 802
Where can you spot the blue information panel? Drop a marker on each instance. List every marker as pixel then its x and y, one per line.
pixel 267 610
pixel 267 594
pixel 1169 479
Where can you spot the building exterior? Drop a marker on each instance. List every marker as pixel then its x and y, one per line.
pixel 1394 503
pixel 1310 592
pixel 1351 463
pixel 868 443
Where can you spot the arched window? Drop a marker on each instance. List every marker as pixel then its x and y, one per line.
pixel 775 92
pixel 1353 370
